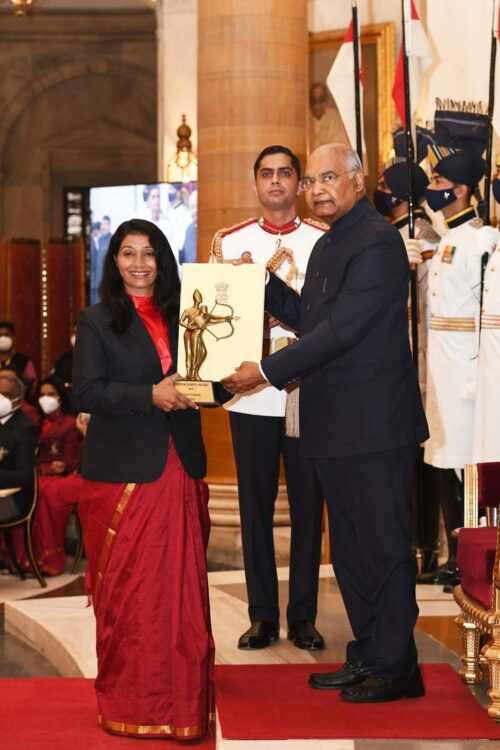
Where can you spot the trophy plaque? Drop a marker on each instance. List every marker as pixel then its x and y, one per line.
pixel 220 324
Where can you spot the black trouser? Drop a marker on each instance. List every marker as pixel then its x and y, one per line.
pixel 369 510
pixel 258 443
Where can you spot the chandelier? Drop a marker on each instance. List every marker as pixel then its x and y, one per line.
pixel 21 7
pixel 183 166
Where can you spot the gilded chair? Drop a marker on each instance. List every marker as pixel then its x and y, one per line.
pixel 24 523
pixel 478 595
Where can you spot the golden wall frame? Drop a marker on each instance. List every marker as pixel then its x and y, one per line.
pixel 381 38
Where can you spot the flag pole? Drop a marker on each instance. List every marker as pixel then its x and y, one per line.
pixel 410 160
pixel 357 92
pixel 417 492
pixel 491 107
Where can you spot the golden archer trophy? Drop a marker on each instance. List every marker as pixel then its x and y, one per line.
pixel 202 329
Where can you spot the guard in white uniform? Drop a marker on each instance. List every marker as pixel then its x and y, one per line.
pixel 487 417
pixel 282 241
pixel 391 199
pixel 454 294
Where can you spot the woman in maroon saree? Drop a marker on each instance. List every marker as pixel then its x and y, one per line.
pixel 144 503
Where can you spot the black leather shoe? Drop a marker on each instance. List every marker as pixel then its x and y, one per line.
pixel 351 673
pixel 448 587
pixel 383 689
pixel 446 573
pixel 304 635
pixel 259 635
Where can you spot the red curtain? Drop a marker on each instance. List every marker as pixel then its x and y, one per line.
pixel 21 294
pixel 42 290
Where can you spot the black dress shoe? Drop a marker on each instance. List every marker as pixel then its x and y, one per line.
pixel 259 635
pixel 304 635
pixel 351 673
pixel 446 573
pixel 383 689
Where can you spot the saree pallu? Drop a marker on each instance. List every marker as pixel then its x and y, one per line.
pixel 147 576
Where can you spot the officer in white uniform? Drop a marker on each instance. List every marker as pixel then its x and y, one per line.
pixel 454 294
pixel 283 241
pixel 391 199
pixel 487 416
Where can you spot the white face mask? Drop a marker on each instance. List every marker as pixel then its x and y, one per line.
pixel 48 404
pixel 72 340
pixel 7 406
pixel 6 343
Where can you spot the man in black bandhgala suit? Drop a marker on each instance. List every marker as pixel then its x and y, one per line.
pixel 361 418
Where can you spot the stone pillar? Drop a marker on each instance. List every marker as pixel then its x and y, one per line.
pixel 177 74
pixel 252 92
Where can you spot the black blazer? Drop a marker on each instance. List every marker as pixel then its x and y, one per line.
pixel 18 438
pixel 359 391
pixel 113 375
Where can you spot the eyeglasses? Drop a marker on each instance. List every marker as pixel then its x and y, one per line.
pixel 325 179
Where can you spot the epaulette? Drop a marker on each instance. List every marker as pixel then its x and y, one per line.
pixel 316 224
pixel 476 222
pixel 216 249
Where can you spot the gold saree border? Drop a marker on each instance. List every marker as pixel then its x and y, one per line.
pixel 108 542
pixel 154 729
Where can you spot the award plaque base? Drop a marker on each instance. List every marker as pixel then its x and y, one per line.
pixel 199 391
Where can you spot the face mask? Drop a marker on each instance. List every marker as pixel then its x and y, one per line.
pixel 48 404
pixel 72 340
pixel 385 202
pixel 438 199
pixel 7 406
pixel 6 343
pixel 496 190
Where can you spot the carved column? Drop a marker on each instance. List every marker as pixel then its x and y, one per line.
pixel 252 92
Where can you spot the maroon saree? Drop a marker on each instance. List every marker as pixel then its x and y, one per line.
pixel 147 574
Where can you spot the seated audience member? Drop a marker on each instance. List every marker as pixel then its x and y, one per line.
pixel 14 360
pixel 18 437
pixel 60 443
pixel 27 409
pixel 59 484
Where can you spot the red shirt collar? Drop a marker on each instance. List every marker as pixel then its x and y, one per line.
pixel 287 228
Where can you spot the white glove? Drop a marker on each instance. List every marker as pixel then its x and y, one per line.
pixel 414 248
pixel 486 240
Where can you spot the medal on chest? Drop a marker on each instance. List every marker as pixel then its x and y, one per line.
pixel 448 253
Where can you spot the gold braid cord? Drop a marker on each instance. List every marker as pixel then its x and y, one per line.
pixel 216 254
pixel 318 224
pixel 276 260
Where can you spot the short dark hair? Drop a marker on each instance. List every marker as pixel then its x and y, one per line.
pixel 278 150
pixel 167 286
pixel 8 324
pixel 147 190
pixel 17 382
pixel 106 218
pixel 61 389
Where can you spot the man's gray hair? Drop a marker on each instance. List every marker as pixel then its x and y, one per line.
pixel 352 161
pixel 20 389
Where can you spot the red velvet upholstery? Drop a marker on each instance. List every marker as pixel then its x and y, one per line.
pixel 488 482
pixel 475 558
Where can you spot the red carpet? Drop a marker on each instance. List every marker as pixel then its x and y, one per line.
pixel 274 702
pixel 60 714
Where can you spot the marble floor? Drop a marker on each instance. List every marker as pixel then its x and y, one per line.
pixel 50 632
